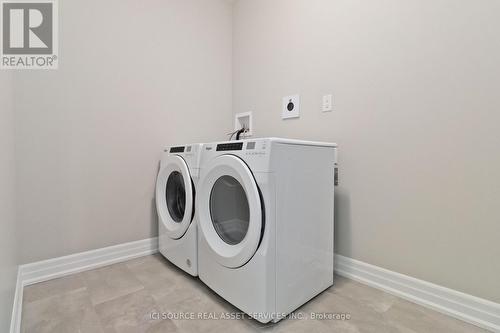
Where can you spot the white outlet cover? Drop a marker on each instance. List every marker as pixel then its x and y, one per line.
pixel 327 103
pixel 291 107
pixel 244 119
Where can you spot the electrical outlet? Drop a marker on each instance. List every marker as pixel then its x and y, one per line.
pixel 327 103
pixel 291 107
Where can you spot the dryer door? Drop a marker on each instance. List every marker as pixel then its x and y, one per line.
pixel 174 196
pixel 230 210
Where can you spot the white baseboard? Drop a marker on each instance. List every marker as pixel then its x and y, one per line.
pixel 475 310
pixel 53 268
pixel 15 321
pixel 58 267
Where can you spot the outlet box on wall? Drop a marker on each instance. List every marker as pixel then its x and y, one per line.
pixel 244 120
pixel 291 107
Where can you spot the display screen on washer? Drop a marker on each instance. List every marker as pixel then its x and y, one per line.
pixel 177 149
pixel 229 210
pixel 230 146
pixel 175 195
pixel 251 145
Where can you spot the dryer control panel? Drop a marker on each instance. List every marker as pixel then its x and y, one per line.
pixel 251 147
pixel 229 146
pixel 256 152
pixel 256 147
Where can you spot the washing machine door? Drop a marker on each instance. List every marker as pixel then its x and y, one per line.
pixel 174 196
pixel 230 210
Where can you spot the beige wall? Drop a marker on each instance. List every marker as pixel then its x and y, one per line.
pixel 8 240
pixel 416 86
pixel 134 76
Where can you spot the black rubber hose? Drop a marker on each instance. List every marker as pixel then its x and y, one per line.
pixel 239 133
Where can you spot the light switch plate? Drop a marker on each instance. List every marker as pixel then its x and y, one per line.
pixel 327 103
pixel 291 107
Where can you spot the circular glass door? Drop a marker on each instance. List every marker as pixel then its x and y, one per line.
pixel 229 210
pixel 174 196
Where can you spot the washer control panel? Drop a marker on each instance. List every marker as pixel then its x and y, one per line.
pixel 256 153
pixel 179 149
pixel 190 154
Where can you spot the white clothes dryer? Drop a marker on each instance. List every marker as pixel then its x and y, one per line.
pixel 265 211
pixel 175 198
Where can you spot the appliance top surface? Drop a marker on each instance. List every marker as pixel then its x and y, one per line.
pixel 283 141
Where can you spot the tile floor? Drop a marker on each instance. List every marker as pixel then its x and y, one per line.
pixel 123 297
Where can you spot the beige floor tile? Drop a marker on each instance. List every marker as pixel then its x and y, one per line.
pixel 184 289
pixel 362 317
pixel 164 326
pixel 156 263
pixel 373 298
pixel 235 325
pixel 157 274
pixel 129 313
pixel 107 283
pixel 205 311
pixel 53 287
pixel 303 325
pixel 121 298
pixel 68 312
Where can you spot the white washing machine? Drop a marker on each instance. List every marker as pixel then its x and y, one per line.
pixel 175 197
pixel 265 214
